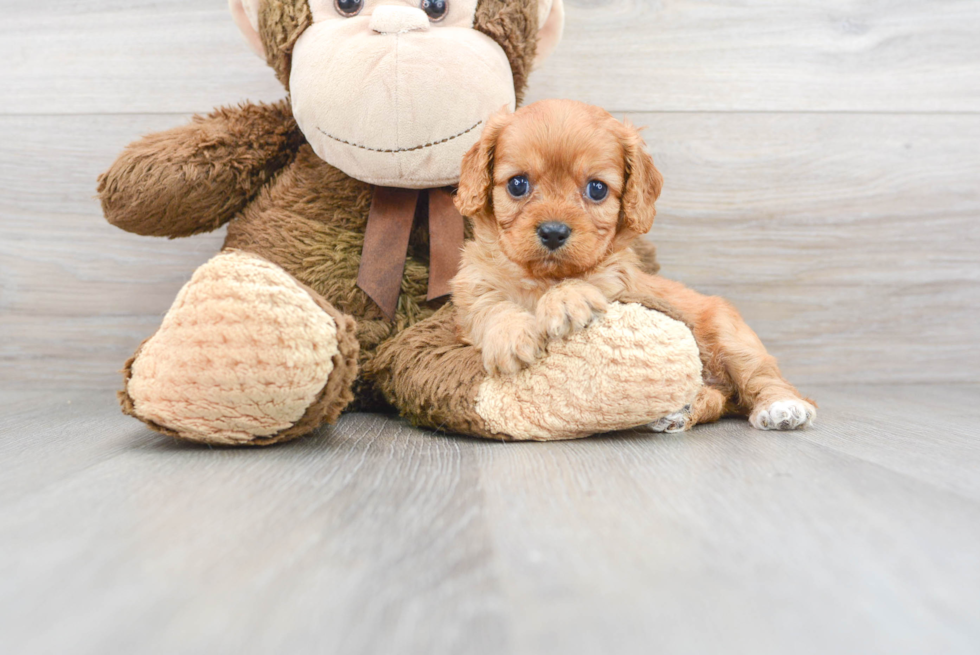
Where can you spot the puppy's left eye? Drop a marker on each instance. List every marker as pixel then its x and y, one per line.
pixel 518 186
pixel 597 190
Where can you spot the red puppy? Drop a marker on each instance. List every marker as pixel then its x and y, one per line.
pixel 557 192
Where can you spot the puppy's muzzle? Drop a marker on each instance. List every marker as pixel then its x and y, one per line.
pixel 553 234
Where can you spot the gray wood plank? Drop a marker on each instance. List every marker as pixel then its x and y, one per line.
pixel 729 541
pixel 372 537
pixel 105 56
pixel 672 55
pixel 930 433
pixel 849 242
pixel 286 572
pixel 76 293
pixel 787 55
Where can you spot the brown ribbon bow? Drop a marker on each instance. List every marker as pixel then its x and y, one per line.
pixel 389 227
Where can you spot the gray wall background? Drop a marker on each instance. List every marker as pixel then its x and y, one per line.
pixel 822 165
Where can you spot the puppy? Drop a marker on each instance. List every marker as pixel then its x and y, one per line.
pixel 557 193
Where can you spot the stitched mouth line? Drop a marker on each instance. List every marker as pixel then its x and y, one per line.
pixel 397 150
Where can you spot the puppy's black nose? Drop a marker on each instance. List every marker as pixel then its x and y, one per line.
pixel 553 234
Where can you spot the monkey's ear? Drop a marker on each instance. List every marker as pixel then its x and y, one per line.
pixel 475 196
pixel 551 24
pixel 642 186
pixel 246 15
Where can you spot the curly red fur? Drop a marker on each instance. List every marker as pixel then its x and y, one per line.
pixel 513 293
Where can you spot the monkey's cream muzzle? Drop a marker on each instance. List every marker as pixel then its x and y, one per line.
pixel 394 100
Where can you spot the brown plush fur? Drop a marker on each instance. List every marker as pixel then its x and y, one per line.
pixel 514 25
pixel 196 177
pixel 310 220
pixel 431 377
pixel 513 293
pixel 281 22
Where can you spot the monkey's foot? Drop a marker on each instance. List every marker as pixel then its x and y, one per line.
pixel 631 367
pixel 246 355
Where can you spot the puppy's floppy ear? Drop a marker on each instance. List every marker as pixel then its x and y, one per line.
pixel 643 183
pixel 475 196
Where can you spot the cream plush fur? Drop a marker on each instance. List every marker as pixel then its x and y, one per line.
pixel 246 15
pixel 360 106
pixel 585 385
pixel 243 352
pixel 551 25
pixel 551 19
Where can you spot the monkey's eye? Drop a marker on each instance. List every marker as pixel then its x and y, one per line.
pixel 597 190
pixel 435 9
pixel 518 186
pixel 349 7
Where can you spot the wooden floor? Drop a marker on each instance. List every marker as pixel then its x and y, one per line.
pixel 858 536
pixel 821 163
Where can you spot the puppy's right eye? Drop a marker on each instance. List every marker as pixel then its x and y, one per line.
pixel 597 191
pixel 518 186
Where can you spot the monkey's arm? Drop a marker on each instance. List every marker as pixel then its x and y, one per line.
pixel 196 177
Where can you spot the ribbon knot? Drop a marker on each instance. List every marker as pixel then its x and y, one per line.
pixel 389 227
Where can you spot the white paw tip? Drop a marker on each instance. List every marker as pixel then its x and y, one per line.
pixel 784 415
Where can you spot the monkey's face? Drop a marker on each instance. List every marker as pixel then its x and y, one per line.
pixel 394 92
pixel 393 95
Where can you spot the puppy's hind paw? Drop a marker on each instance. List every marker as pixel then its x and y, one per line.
pixel 791 414
pixel 676 422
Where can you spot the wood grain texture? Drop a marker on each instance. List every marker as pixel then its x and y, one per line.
pixel 821 168
pixel 106 56
pixel 849 242
pixel 821 163
pixel 858 536
pixel 786 55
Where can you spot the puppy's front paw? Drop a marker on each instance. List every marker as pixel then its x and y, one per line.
pixel 791 414
pixel 569 307
pixel 510 346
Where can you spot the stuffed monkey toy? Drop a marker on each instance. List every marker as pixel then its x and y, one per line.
pixel 330 290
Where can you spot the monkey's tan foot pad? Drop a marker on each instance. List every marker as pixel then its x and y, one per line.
pixel 632 367
pixel 246 355
pixel 629 368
